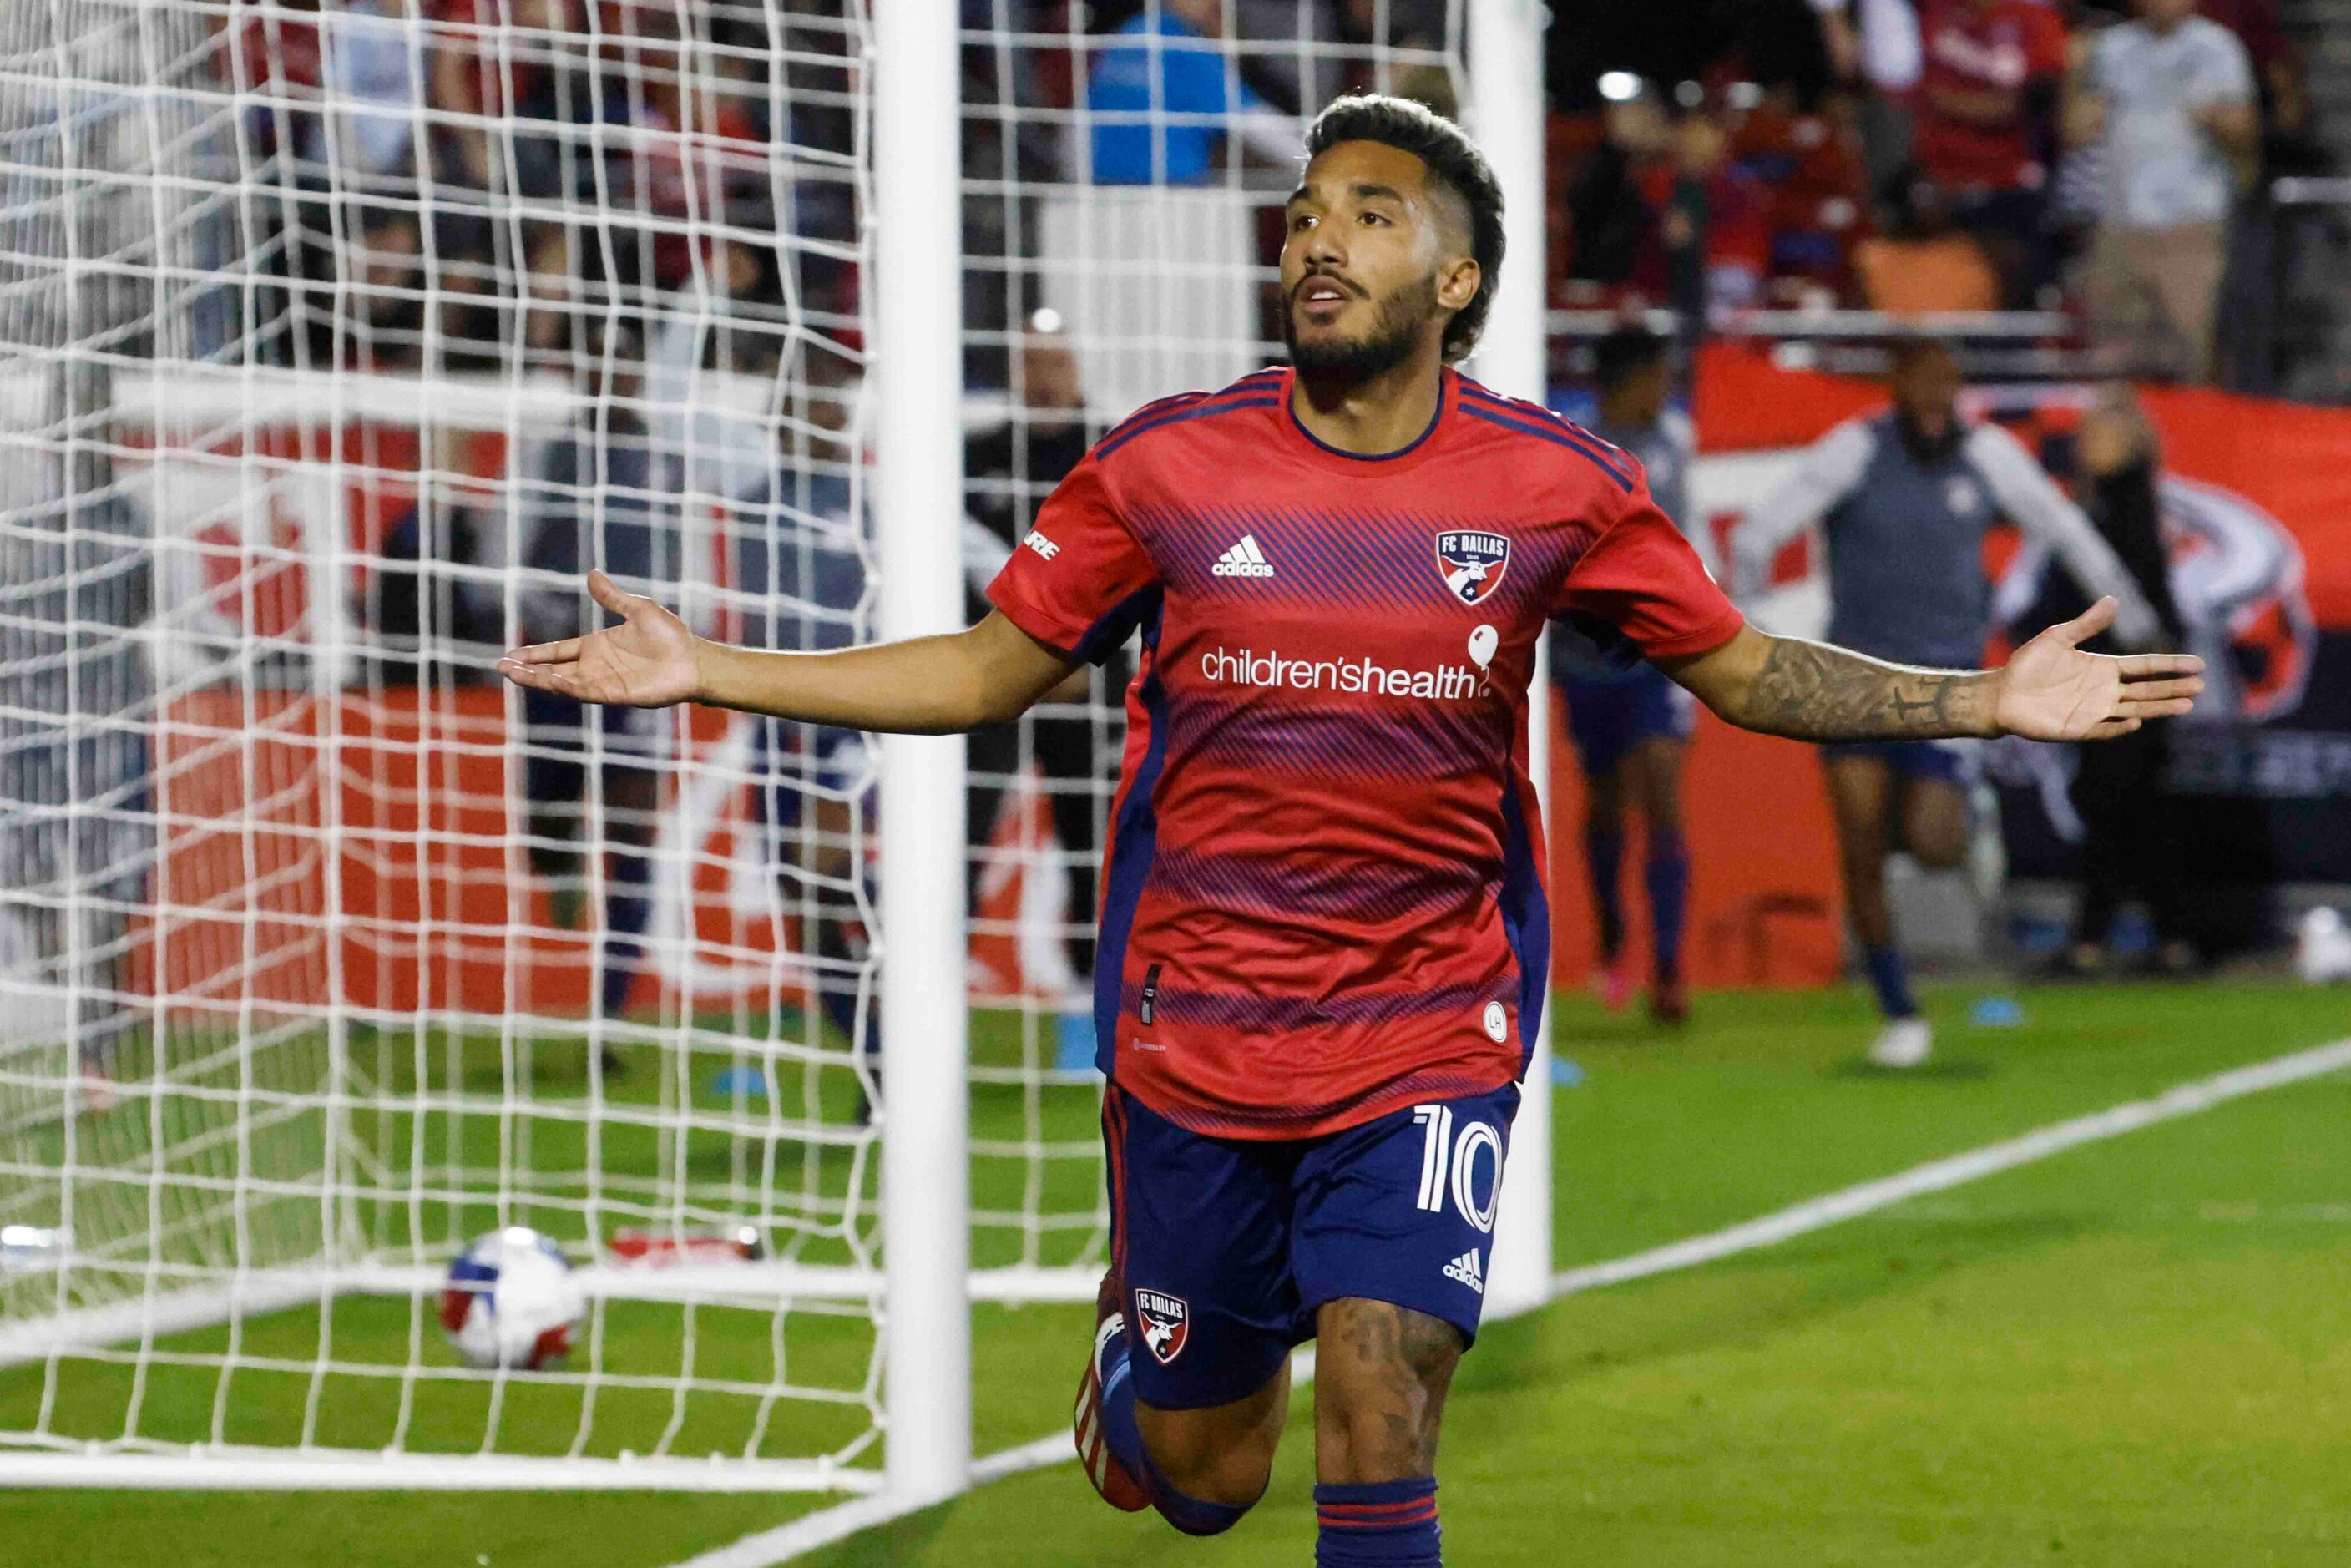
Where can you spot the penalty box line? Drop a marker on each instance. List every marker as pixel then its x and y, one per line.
pixel 787 1542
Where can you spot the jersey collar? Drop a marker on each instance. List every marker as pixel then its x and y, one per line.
pixel 1324 455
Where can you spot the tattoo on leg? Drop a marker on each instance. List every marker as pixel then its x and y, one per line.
pixel 1810 691
pixel 1400 1367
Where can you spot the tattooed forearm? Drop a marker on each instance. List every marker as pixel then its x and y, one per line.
pixel 1810 691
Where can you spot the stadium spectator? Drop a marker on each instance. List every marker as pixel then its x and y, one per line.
pixel 2118 789
pixel 1611 225
pixel 1875 45
pixel 2169 98
pixel 1152 265
pixel 2277 62
pixel 1162 98
pixel 1661 212
pixel 1813 180
pixel 724 323
pixel 1713 234
pixel 1008 473
pixel 556 296
pixel 1905 496
pixel 506 74
pixel 385 330
pixel 1630 724
pixel 590 498
pixel 682 143
pixel 1988 84
pixel 367 66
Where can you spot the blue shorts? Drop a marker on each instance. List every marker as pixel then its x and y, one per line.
pixel 1952 762
pixel 1606 718
pixel 1230 1244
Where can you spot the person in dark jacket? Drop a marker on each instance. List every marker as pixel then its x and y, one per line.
pixel 2119 789
pixel 594 496
pixel 1073 742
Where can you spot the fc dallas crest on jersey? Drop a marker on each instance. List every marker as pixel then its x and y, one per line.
pixel 1166 1322
pixel 1472 563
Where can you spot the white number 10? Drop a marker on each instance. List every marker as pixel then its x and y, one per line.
pixel 1449 1165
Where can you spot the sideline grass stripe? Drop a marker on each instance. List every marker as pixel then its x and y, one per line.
pixel 787 1542
pixel 1956 1170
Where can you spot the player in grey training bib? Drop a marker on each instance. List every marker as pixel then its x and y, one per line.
pixel 1904 498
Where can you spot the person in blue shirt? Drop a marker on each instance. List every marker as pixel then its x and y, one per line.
pixel 594 497
pixel 1632 726
pixel 1163 95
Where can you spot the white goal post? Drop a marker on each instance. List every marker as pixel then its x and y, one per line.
pixel 335 342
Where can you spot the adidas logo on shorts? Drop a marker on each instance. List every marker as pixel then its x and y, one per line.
pixel 1465 1269
pixel 1244 559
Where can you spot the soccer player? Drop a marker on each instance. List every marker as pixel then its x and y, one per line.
pixel 1907 495
pixel 1631 725
pixel 1323 933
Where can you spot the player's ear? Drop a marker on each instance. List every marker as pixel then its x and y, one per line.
pixel 1458 282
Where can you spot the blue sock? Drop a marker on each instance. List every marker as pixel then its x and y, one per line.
pixel 1123 1438
pixel 1379 1524
pixel 1668 875
pixel 1120 1434
pixel 1603 855
pixel 1890 981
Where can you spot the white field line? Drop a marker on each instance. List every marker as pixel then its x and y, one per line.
pixel 785 1541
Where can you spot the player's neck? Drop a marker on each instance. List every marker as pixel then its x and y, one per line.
pixel 1380 414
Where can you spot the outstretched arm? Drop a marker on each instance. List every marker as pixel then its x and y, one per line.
pixel 2050 690
pixel 1823 476
pixel 989 673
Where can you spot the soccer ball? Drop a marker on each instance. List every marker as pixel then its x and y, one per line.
pixel 512 1300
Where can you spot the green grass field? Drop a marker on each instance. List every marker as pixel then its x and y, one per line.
pixel 2139 1353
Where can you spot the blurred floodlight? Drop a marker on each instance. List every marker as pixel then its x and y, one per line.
pixel 1619 87
pixel 1690 94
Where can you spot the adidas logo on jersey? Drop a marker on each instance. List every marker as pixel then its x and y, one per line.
pixel 1244 559
pixel 1465 1269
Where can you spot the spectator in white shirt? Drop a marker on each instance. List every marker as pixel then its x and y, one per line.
pixel 2169 100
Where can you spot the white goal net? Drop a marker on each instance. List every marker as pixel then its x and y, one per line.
pixel 337 338
pixel 340 342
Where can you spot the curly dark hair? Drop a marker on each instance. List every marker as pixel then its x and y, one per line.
pixel 1453 162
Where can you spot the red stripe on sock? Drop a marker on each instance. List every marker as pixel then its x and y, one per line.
pixel 1329 1516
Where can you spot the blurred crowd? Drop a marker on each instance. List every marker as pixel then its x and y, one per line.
pixel 459 185
pixel 433 160
pixel 1945 155
pixel 658 207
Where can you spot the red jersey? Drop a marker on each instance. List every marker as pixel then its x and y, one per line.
pixel 1322 895
pixel 1969 46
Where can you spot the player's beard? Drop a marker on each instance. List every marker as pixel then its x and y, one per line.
pixel 1395 333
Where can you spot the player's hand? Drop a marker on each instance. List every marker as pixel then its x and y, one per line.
pixel 647 661
pixel 2051 690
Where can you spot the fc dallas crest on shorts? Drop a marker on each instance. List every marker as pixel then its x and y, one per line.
pixel 1166 1320
pixel 1472 563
